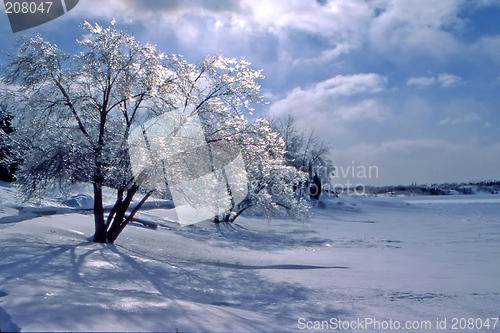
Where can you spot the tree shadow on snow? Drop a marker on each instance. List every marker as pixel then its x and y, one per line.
pixel 6 324
pixel 93 280
pixel 273 238
pixel 232 285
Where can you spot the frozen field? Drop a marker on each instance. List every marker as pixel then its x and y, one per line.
pixel 399 258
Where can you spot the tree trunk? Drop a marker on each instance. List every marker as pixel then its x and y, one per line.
pixel 100 226
pixel 112 236
pixel 119 199
pixel 234 216
pixel 121 209
pixel 315 188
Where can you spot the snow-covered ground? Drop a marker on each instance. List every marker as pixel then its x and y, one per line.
pixel 399 258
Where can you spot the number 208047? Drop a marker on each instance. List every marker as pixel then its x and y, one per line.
pixel 27 7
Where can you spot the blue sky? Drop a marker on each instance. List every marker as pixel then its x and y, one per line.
pixel 411 86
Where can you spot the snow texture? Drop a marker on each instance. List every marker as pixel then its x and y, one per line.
pixel 400 258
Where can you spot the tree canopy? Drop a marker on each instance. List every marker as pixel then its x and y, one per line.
pixel 76 112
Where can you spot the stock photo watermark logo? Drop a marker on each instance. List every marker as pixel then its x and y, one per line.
pixel 170 152
pixel 25 14
pixel 345 179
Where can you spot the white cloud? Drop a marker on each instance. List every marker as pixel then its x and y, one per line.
pixel 342 24
pixel 463 119
pixel 388 28
pixel 140 9
pixel 351 84
pixel 326 95
pixel 463 112
pixel 445 80
pixel 329 19
pixel 423 161
pixel 422 81
pixel 416 26
pixel 368 109
pixel 488 46
pixel 448 80
pixel 334 107
pixel 326 55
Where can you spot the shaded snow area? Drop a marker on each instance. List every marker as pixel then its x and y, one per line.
pixel 388 258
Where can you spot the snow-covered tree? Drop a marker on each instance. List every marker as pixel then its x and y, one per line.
pixel 7 151
pixel 306 152
pixel 222 90
pixel 77 111
pixel 76 114
pixel 272 183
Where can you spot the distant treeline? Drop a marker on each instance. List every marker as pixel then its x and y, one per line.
pixel 490 186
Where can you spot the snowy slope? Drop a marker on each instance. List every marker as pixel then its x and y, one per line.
pixel 389 258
